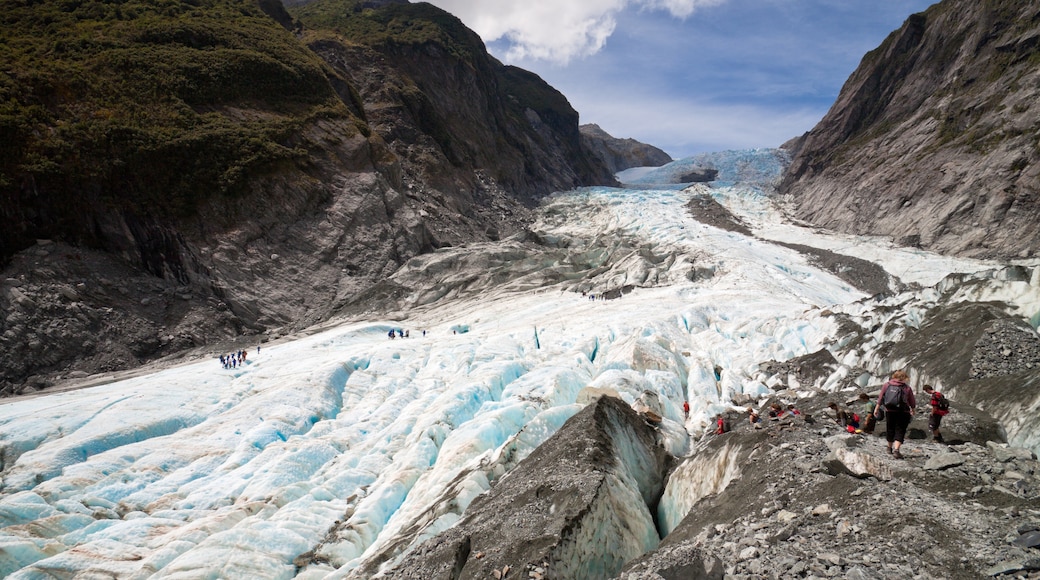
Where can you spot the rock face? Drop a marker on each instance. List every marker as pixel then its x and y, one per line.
pixel 933 138
pixel 301 182
pixel 792 497
pixel 579 506
pixel 813 502
pixel 620 154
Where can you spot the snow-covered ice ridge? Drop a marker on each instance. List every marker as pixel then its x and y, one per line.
pixel 337 444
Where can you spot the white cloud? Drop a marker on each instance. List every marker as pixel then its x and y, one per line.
pixel 555 30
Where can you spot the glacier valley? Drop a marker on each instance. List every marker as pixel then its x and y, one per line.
pixel 336 453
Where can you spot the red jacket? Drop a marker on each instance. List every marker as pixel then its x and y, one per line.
pixel 935 404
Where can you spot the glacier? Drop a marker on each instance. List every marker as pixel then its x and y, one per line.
pixel 337 446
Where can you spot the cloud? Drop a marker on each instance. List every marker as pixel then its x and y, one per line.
pixel 555 30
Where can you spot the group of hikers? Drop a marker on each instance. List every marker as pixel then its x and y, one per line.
pixel 895 404
pixel 776 412
pixel 235 359
pixel 400 333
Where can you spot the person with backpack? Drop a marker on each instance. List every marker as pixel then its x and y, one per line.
pixel 940 407
pixel 897 399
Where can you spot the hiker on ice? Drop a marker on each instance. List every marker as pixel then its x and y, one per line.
pixel 898 400
pixel 940 407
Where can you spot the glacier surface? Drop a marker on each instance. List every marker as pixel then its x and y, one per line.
pixel 322 450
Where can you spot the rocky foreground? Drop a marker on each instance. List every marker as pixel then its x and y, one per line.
pixel 791 498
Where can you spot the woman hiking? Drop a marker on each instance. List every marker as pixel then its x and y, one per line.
pixel 898 400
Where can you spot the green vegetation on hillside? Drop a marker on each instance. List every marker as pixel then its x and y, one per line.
pixel 147 105
pixel 403 24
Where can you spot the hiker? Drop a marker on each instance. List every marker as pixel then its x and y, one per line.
pixel 720 425
pixel 940 407
pixel 686 409
pixel 792 411
pixel 867 407
pixel 776 411
pixel 754 419
pixel 392 334
pixel 845 417
pixel 898 401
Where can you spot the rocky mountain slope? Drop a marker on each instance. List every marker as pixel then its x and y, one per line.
pixel 620 154
pixel 254 175
pixel 933 139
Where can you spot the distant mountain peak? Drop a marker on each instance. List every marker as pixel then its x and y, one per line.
pixel 620 154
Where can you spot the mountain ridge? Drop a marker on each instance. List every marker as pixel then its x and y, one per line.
pixel 377 161
pixel 932 139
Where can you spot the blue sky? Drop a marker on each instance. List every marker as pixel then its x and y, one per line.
pixel 690 76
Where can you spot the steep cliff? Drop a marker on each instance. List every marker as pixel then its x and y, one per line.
pixel 934 138
pixel 620 154
pixel 196 171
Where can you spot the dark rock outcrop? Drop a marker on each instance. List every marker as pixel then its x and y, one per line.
pixel 267 201
pixel 933 138
pixel 620 154
pixel 579 506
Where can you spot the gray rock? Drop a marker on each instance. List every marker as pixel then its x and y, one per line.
pixel 561 508
pixel 1028 540
pixel 1017 565
pixel 1006 454
pixel 844 458
pixel 944 461
pixel 1028 527
pixel 830 558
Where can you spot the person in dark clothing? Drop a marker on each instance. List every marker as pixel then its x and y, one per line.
pixel 935 419
pixel 898 400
